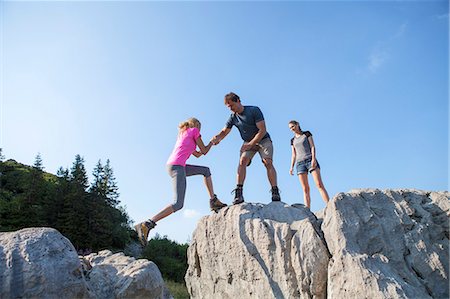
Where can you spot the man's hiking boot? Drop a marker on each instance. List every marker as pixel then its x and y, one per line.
pixel 275 194
pixel 143 229
pixel 215 204
pixel 238 197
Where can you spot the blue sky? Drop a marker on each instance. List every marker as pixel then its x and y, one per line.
pixel 112 80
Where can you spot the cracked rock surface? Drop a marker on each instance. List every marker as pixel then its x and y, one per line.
pixel 258 251
pixel 119 276
pixel 41 263
pixel 367 243
pixel 388 244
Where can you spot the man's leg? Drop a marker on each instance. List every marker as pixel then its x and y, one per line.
pixel 244 160
pixel 272 176
pixel 242 168
pixel 266 153
pixel 271 172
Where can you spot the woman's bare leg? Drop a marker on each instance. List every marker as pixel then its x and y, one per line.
pixel 318 180
pixel 303 177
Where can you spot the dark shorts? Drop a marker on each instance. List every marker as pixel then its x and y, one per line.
pixel 305 166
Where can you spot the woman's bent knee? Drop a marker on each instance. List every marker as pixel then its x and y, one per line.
pixel 177 206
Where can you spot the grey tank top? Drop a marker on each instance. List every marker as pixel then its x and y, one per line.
pixel 302 146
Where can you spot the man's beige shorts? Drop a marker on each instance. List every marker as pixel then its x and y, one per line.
pixel 264 148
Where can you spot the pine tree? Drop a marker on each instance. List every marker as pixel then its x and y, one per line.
pixel 118 215
pixel 32 204
pixel 110 185
pixel 73 220
pixel 63 173
pixel 59 191
pixel 98 173
pixel 89 217
pixel 2 158
pixel 78 173
pixel 109 222
pixel 38 162
pixel 99 221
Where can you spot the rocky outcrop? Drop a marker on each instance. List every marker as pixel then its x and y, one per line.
pixel 258 251
pixel 371 244
pixel 118 276
pixel 388 244
pixel 41 263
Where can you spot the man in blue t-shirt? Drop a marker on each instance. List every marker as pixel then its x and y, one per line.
pixel 251 125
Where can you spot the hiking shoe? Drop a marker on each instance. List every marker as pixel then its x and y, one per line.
pixel 275 194
pixel 143 229
pixel 215 204
pixel 238 197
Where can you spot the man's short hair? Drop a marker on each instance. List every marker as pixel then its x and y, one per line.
pixel 232 97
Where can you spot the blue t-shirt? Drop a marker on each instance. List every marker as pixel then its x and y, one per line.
pixel 246 122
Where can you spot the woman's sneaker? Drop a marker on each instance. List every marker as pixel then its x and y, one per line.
pixel 215 204
pixel 143 229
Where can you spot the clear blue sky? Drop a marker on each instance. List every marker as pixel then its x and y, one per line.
pixel 114 79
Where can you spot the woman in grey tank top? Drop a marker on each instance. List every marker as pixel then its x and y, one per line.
pixel 304 158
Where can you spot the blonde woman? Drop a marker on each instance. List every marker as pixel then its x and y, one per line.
pixel 304 158
pixel 188 140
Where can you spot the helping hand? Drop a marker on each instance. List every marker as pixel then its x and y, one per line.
pixel 215 140
pixel 248 147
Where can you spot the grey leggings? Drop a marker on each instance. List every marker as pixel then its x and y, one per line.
pixel 179 174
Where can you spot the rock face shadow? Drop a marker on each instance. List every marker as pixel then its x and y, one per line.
pixel 253 251
pixel 16 287
pixel 257 251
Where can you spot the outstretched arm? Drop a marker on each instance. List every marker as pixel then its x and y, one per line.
pixel 216 139
pixel 203 149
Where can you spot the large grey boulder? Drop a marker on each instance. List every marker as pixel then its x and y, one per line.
pixel 118 276
pixel 40 263
pixel 388 244
pixel 258 251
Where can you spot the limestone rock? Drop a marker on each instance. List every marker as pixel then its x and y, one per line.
pixel 258 251
pixel 40 263
pixel 119 276
pixel 388 244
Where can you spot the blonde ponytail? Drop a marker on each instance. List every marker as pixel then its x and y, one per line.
pixel 189 123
